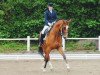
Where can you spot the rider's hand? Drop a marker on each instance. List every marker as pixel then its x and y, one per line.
pixel 54 22
pixel 50 24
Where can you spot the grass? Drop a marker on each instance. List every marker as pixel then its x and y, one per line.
pixel 16 46
pixel 20 46
pixel 12 47
pixel 80 45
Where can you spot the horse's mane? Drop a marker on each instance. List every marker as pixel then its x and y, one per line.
pixel 56 25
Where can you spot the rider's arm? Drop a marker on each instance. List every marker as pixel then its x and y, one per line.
pixel 46 18
pixel 55 16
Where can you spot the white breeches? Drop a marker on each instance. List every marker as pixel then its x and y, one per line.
pixel 45 27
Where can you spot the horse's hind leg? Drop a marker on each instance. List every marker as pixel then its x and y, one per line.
pixel 64 56
pixel 49 63
pixel 47 57
pixel 40 51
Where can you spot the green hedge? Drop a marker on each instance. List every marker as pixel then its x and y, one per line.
pixel 20 18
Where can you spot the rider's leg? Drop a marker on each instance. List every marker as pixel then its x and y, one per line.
pixel 41 39
pixel 43 34
pixel 40 43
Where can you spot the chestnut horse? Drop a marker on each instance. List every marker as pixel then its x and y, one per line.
pixel 54 41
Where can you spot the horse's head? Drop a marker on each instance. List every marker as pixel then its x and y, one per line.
pixel 65 27
pixel 61 27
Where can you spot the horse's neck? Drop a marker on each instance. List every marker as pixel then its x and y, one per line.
pixel 55 31
pixel 57 27
pixel 55 34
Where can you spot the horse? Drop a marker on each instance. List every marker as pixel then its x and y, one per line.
pixel 53 41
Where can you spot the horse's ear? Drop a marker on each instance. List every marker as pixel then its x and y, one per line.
pixel 69 20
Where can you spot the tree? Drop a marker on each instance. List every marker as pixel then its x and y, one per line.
pixel 20 18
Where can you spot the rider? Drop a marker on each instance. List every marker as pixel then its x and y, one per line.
pixel 50 18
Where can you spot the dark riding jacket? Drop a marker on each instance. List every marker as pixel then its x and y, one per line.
pixel 50 17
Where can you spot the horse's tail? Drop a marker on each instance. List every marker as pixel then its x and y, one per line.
pixel 40 51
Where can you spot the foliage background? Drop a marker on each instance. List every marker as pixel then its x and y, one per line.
pixel 20 18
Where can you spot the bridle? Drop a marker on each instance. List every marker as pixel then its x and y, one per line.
pixel 61 32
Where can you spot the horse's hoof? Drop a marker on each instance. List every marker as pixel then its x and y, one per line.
pixel 51 69
pixel 43 69
pixel 68 66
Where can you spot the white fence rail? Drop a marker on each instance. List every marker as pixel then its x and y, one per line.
pixel 28 39
pixel 52 56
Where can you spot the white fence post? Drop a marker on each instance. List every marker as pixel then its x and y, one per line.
pixel 28 43
pixel 63 43
pixel 99 43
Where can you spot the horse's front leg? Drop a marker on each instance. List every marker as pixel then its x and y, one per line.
pixel 64 56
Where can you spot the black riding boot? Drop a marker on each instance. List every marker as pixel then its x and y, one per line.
pixel 41 39
pixel 40 51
